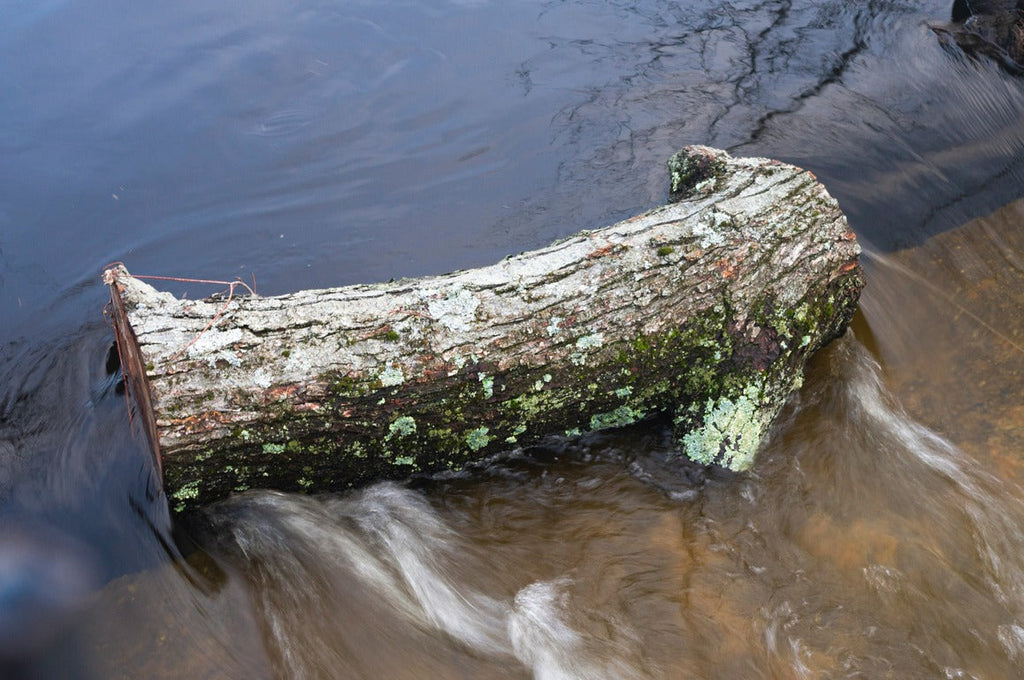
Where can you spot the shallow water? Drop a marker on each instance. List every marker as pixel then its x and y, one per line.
pixel 864 544
pixel 317 144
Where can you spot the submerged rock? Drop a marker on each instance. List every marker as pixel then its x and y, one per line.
pixel 989 28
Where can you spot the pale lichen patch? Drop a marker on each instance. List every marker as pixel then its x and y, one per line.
pixel 478 438
pixel 730 433
pixel 583 345
pixel 403 426
pixel 487 384
pixel 590 341
pixel 456 311
pixel 214 341
pixel 554 326
pixel 709 232
pixel 623 415
pixel 262 378
pixel 514 437
pixel 391 375
pixel 187 491
pixel 185 494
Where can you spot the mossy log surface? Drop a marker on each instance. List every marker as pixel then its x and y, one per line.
pixel 706 308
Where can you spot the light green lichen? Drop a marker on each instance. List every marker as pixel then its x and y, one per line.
pixel 185 495
pixel 187 492
pixel 402 427
pixel 391 376
pixel 730 433
pixel 273 448
pixel 514 437
pixel 487 382
pixel 623 415
pixel 478 438
pixel 583 345
pixel 710 231
pixel 456 311
pixel 405 460
pixel 554 326
pixel 356 450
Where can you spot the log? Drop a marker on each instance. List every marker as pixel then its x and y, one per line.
pixel 706 309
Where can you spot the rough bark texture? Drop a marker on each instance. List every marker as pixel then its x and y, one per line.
pixel 706 308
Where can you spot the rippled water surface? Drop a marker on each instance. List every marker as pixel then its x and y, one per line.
pixel 312 144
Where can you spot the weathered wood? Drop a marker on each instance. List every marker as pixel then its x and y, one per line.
pixel 706 308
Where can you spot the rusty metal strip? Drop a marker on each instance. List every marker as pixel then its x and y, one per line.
pixel 133 369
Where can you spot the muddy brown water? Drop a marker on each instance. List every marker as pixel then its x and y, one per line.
pixel 881 531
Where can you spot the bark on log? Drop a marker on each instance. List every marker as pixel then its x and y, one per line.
pixel 706 308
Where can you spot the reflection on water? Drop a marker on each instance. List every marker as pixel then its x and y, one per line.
pixel 316 144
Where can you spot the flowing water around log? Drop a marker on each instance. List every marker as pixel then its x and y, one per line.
pixel 881 532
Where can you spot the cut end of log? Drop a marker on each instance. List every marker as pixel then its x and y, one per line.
pixel 706 309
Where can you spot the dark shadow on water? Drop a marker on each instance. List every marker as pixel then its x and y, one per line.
pixel 79 500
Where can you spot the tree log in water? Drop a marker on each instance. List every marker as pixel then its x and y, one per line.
pixel 706 308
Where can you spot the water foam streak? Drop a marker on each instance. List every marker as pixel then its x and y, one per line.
pixel 394 544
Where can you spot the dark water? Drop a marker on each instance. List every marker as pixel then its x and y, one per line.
pixel 314 144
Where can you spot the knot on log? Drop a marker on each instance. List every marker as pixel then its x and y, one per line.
pixel 705 309
pixel 695 170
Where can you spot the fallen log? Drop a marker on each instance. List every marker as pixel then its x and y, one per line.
pixel 706 308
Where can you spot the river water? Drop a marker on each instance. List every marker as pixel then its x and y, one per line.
pixel 312 144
